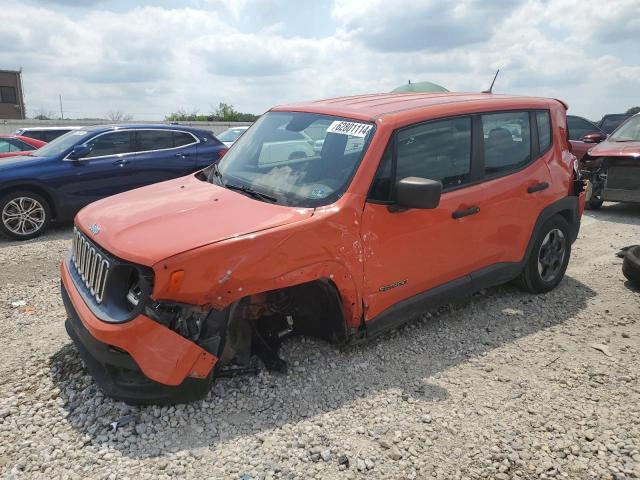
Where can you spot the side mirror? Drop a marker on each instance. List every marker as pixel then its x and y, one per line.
pixel 79 151
pixel 416 192
pixel 594 137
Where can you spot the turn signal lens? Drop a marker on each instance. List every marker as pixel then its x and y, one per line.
pixel 175 281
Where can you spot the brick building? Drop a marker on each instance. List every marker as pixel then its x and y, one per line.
pixel 11 98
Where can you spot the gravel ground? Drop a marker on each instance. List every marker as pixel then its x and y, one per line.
pixel 506 385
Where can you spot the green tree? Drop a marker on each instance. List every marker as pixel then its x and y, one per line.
pixel 226 113
pixel 633 110
pixel 183 116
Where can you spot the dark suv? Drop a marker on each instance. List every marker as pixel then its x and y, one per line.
pixel 611 121
pixel 85 165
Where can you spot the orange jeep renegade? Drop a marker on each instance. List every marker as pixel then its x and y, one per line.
pixel 337 219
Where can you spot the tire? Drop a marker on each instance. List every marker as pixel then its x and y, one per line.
pixel 631 265
pixel 548 260
pixel 23 214
pixel 594 204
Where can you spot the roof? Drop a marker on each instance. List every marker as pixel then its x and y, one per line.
pixel 373 106
pixel 419 87
pixel 105 127
pixel 58 127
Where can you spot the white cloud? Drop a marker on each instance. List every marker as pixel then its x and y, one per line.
pixel 430 25
pixel 151 60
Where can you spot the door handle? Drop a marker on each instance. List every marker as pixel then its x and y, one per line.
pixel 465 213
pixel 182 155
pixel 538 187
pixel 122 162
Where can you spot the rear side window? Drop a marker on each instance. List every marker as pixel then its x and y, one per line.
pixel 113 143
pixel 32 134
pixel 154 140
pixel 180 139
pixel 544 129
pixel 507 141
pixel 438 150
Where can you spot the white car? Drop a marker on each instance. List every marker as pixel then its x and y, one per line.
pixel 229 136
pixel 46 134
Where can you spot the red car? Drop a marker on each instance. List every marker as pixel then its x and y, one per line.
pixel 11 145
pixel 583 135
pixel 613 167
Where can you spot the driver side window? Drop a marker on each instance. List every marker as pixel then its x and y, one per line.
pixel 437 150
pixel 112 143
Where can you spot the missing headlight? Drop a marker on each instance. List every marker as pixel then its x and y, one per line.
pixel 185 320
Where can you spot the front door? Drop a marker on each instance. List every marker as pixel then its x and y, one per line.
pixel 412 251
pixel 107 169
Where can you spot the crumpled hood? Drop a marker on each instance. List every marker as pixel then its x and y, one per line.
pixel 153 223
pixel 616 149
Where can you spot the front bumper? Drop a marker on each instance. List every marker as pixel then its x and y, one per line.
pixel 139 361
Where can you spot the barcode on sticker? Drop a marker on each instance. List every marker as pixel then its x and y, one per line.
pixel 354 129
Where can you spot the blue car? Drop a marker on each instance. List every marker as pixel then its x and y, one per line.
pixel 85 165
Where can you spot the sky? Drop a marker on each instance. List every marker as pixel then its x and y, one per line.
pixel 150 58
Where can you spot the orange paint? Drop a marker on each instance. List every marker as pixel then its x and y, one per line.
pixel 162 355
pixel 211 246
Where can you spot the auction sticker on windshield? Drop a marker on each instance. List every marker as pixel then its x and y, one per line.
pixel 354 129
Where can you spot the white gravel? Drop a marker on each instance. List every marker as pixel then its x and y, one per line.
pixel 505 386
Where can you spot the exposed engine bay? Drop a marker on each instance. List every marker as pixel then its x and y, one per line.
pixel 253 328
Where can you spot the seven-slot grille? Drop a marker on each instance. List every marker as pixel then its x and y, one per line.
pixel 91 264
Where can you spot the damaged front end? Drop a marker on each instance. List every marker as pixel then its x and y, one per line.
pixel 250 331
pixel 143 350
pixel 251 328
pixel 612 179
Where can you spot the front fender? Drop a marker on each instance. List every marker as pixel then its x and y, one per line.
pixel 326 246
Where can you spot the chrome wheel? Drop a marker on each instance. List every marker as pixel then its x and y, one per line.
pixel 551 255
pixel 23 216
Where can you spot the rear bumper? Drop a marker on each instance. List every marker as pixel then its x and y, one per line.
pixel 139 361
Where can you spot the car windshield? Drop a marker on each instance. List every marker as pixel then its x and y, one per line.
pixel 296 159
pixel 230 135
pixel 61 144
pixel 628 131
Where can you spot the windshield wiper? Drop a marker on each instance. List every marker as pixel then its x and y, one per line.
pixel 251 192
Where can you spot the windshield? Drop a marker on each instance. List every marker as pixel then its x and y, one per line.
pixel 298 159
pixel 628 131
pixel 62 143
pixel 231 135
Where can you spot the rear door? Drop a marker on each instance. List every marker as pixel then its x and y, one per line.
pixel 516 147
pixel 411 251
pixel 108 169
pixel 164 154
pixel 209 150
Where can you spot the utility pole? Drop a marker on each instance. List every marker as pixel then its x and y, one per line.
pixel 61 112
